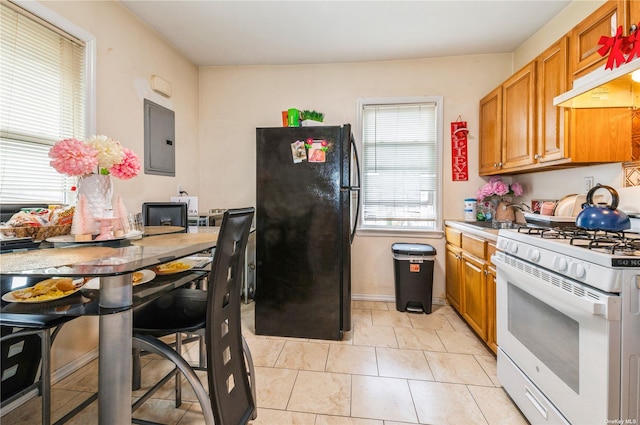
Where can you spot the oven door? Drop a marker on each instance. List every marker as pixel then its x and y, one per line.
pixel 564 336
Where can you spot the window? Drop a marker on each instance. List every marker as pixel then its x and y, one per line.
pixel 401 149
pixel 43 87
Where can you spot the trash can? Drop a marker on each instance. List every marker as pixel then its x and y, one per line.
pixel 413 267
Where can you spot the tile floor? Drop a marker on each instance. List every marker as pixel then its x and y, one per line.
pixel 394 368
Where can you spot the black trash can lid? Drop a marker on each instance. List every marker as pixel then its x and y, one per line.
pixel 413 249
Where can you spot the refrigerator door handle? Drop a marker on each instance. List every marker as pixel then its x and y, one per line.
pixel 355 188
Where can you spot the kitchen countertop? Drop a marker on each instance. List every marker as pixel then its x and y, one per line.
pixel 483 229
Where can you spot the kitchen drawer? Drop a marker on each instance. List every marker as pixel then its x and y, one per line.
pixel 474 246
pixel 453 236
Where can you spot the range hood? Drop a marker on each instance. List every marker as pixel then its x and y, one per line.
pixel 604 88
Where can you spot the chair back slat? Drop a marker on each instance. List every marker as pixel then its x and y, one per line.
pixel 231 398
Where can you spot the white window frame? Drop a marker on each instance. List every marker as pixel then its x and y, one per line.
pixel 390 231
pixel 46 14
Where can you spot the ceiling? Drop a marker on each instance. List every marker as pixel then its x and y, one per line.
pixel 239 32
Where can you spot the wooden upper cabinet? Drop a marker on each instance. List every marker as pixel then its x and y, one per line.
pixel 552 68
pixel 490 132
pixel 586 35
pixel 519 125
pixel 629 15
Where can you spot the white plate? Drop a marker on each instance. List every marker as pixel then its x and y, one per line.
pixel 548 218
pixel 147 276
pixel 72 239
pixel 9 296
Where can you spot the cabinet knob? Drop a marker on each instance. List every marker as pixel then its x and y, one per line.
pixel 536 156
pixel 495 165
pixel 500 164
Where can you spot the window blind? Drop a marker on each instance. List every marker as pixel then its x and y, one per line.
pixel 42 91
pixel 400 165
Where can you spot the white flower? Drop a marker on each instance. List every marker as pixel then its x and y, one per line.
pixel 109 151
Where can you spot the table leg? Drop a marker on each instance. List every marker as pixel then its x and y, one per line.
pixel 114 364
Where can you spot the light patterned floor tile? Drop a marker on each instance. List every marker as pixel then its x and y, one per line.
pixel 399 363
pixel 489 365
pixel 341 420
pixel 323 393
pixel 445 404
pixel 382 398
pixel 274 386
pixel 352 359
pixel 303 356
pixel 461 342
pixel 457 368
pixel 361 317
pixel 346 383
pixel 390 318
pixel 375 336
pixel 419 339
pixel 430 321
pixel 496 406
pixel 282 417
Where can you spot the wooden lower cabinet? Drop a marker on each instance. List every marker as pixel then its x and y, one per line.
pixel 474 294
pixel 470 283
pixel 452 265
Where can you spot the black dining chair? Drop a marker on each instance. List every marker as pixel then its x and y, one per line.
pixel 25 348
pixel 216 314
pixel 165 214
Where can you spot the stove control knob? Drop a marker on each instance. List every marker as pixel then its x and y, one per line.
pixel 534 255
pixel 578 270
pixel 513 248
pixel 559 263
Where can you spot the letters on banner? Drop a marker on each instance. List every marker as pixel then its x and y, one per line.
pixel 459 157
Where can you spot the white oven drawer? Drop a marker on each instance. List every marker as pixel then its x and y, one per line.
pixel 534 405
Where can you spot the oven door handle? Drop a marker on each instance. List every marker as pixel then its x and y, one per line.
pixel 610 309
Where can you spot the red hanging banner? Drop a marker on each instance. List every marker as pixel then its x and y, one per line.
pixel 459 158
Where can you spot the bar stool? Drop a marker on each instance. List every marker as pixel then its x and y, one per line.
pixel 26 347
pixel 216 314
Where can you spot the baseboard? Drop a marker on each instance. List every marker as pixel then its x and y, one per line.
pixel 57 376
pixel 390 298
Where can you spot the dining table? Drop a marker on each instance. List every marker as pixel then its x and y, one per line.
pixel 111 300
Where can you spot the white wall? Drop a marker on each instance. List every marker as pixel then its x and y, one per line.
pixel 128 53
pixel 236 100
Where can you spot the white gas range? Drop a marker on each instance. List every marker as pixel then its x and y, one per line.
pixel 569 324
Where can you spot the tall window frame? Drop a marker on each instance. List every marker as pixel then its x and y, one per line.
pixel 402 165
pixel 34 180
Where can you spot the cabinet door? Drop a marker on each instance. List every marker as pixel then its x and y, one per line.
pixel 492 331
pixel 552 66
pixel 586 35
pixel 452 276
pixel 490 133
pixel 629 15
pixel 518 122
pixel 474 294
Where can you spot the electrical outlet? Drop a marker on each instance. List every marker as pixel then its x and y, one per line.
pixel 179 189
pixel 588 184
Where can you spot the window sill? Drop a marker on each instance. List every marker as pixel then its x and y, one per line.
pixel 404 233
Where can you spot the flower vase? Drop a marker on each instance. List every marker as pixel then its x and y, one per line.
pixel 504 212
pixel 97 190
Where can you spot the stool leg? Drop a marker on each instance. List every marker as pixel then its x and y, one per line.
pixel 178 375
pixel 45 376
pixel 136 380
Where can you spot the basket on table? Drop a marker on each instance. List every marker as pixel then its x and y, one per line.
pixel 37 233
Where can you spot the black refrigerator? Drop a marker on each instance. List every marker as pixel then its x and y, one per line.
pixel 306 212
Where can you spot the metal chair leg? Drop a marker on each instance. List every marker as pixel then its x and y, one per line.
pixel 178 377
pixel 252 374
pixel 156 346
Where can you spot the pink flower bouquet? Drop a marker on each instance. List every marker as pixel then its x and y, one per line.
pixel 496 187
pixel 99 154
